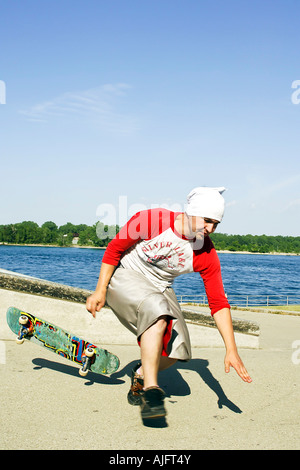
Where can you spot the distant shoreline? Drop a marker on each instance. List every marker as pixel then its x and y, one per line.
pixel 104 248
pixel 52 246
pixel 257 253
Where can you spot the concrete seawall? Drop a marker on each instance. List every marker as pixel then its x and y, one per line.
pixel 31 285
pixel 199 320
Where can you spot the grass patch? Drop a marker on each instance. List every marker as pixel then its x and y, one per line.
pixel 291 308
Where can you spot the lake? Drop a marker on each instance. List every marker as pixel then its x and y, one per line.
pixel 243 274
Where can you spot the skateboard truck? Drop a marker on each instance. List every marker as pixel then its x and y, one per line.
pixel 87 359
pixel 26 328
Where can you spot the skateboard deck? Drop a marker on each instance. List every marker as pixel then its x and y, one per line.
pixel 28 327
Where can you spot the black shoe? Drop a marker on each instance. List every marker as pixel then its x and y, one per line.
pixel 136 391
pixel 153 403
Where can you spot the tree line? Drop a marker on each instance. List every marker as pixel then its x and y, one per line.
pixel 99 235
pixel 30 233
pixel 256 243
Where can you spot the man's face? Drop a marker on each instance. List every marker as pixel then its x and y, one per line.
pixel 201 227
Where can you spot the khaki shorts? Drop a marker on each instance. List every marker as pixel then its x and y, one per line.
pixel 138 304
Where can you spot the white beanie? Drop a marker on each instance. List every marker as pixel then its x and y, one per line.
pixel 206 202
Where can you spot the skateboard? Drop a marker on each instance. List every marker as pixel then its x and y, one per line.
pixel 28 327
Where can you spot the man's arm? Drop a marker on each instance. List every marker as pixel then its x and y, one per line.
pixel 232 359
pixel 141 226
pixel 127 237
pixel 96 301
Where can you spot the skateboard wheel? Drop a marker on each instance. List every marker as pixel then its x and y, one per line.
pixel 20 341
pixel 23 320
pixel 83 373
pixel 89 352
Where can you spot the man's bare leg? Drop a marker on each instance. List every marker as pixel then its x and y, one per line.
pixel 151 343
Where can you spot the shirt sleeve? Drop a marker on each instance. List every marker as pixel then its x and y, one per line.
pixel 144 225
pixel 210 271
pixel 128 236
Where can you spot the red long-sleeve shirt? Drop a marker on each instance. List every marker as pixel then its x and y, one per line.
pixel 149 244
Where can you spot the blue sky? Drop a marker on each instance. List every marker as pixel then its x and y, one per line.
pixel 146 100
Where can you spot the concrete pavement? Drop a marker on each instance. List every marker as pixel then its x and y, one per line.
pixel 45 404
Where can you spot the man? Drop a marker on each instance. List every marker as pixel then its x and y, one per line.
pixel 138 268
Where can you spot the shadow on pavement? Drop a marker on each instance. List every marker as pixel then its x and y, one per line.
pixel 174 384
pixel 170 380
pixel 72 370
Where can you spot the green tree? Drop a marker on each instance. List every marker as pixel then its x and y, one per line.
pixel 27 232
pixel 50 232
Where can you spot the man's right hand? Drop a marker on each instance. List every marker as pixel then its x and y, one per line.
pixel 95 302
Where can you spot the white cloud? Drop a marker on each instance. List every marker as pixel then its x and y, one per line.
pixel 264 190
pixel 291 204
pixel 231 203
pixel 99 105
pixel 282 184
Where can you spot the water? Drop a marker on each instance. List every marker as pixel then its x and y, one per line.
pixel 243 274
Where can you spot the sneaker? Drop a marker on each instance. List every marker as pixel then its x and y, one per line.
pixel 153 403
pixel 136 391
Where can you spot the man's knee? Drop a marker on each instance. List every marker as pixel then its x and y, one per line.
pixel 158 327
pixel 162 323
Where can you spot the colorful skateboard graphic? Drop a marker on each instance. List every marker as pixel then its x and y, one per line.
pixel 54 338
